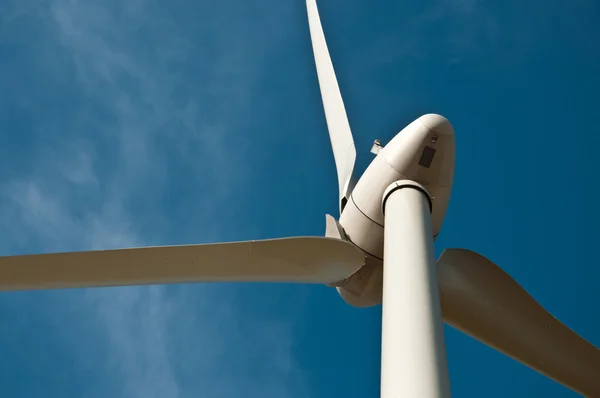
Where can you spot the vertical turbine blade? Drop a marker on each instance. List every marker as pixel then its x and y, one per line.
pixel 342 142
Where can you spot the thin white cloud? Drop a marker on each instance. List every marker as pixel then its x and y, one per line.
pixel 97 169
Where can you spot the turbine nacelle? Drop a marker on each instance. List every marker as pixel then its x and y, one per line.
pixel 424 151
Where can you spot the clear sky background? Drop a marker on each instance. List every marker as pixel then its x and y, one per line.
pixel 146 122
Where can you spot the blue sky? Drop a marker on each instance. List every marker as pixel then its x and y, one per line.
pixel 172 122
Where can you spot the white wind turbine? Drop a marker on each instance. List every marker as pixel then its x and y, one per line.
pixel 380 251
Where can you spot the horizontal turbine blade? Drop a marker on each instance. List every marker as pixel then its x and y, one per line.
pixel 340 134
pixel 293 260
pixel 483 301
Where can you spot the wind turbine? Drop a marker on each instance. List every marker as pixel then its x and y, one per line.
pixel 380 251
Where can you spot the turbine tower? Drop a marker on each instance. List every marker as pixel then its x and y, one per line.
pixel 380 251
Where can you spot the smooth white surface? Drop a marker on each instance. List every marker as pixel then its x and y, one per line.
pixel 437 124
pixel 413 352
pixel 294 260
pixel 340 134
pixel 363 219
pixel 483 301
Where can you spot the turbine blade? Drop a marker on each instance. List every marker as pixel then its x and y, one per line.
pixel 483 301
pixel 293 260
pixel 340 134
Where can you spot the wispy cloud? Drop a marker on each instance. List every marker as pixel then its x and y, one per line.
pixel 101 114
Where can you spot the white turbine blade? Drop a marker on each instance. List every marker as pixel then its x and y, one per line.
pixel 483 301
pixel 340 135
pixel 301 260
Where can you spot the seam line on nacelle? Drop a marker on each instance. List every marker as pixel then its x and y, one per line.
pixel 355 205
pixel 349 239
pixel 370 254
